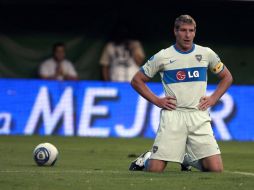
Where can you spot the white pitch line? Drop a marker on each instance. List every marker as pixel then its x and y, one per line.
pixel 97 171
pixel 240 173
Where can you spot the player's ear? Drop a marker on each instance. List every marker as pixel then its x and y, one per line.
pixel 175 31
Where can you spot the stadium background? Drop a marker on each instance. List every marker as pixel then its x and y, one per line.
pixel 29 28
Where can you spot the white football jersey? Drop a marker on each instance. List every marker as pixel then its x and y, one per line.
pixel 184 74
pixel 119 58
pixel 48 69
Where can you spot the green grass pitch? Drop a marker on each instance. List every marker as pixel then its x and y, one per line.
pixel 94 164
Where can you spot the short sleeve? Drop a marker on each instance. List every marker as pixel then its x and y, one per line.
pixel 215 64
pixel 105 57
pixel 70 70
pixel 46 69
pixel 153 65
pixel 137 48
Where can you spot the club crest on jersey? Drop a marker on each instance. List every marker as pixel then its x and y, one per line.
pixel 198 57
pixel 180 75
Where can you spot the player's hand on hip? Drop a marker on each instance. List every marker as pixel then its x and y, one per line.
pixel 206 102
pixel 168 103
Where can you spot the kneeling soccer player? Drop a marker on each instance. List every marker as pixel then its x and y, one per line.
pixel 185 124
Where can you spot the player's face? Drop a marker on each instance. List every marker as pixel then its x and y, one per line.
pixel 59 53
pixel 184 36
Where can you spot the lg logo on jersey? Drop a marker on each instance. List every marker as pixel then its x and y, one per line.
pixel 181 75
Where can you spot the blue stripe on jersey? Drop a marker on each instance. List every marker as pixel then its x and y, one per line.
pixel 185 75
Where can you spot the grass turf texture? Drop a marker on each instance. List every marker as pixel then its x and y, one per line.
pixel 92 163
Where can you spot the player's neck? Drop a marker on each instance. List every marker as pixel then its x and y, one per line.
pixel 57 60
pixel 183 49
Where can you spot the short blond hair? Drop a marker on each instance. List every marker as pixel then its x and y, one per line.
pixel 186 19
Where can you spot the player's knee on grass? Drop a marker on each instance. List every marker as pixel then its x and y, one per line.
pixel 212 164
pixel 213 169
pixel 156 166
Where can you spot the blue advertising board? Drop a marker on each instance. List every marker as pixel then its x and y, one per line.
pixel 108 109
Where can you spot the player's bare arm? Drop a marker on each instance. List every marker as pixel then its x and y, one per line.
pixel 70 77
pixel 226 80
pixel 105 73
pixel 137 52
pixel 139 84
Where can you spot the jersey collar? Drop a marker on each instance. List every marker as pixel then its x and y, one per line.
pixel 184 52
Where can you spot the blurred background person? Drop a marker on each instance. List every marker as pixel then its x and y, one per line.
pixel 58 67
pixel 121 57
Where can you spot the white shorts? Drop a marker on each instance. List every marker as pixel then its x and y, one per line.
pixel 180 132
